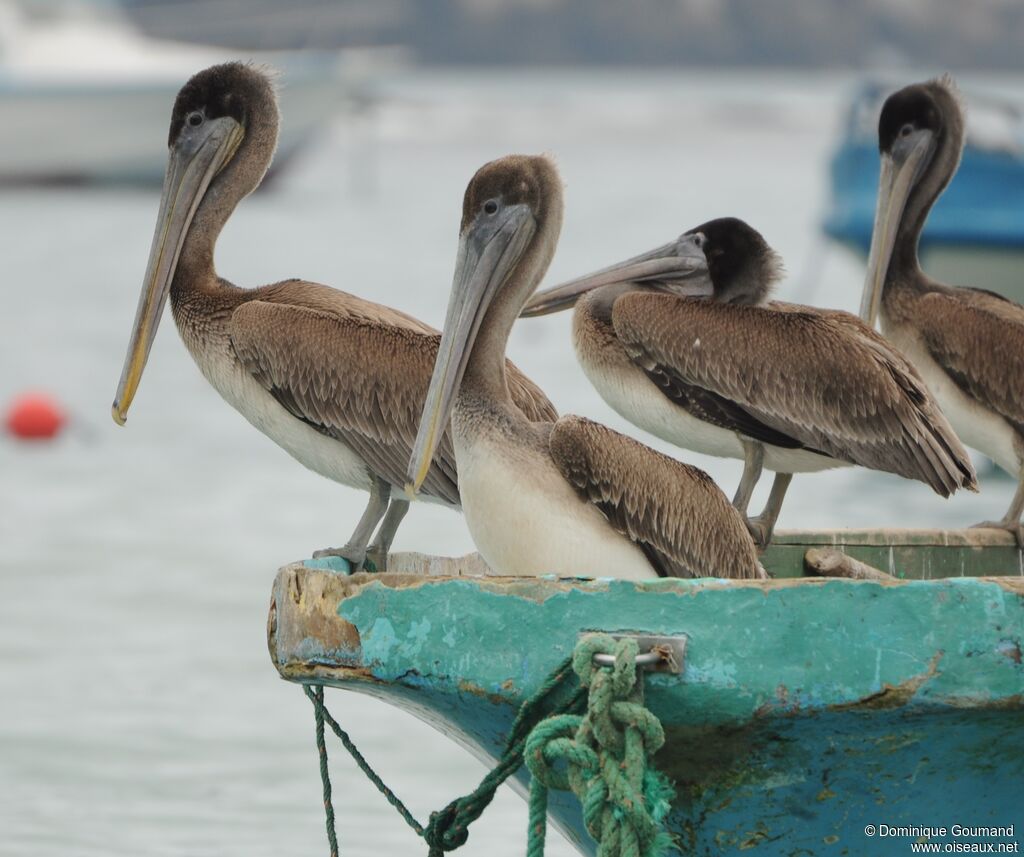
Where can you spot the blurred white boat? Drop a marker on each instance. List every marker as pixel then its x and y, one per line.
pixel 84 97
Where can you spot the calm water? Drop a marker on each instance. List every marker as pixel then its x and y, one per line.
pixel 139 711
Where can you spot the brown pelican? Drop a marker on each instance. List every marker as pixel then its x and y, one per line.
pixel 571 496
pixel 684 342
pixel 337 381
pixel 968 344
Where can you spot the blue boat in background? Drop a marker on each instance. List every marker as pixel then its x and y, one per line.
pixel 975 234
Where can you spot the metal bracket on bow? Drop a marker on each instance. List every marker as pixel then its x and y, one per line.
pixel 658 654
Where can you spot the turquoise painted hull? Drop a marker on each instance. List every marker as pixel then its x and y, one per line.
pixel 806 711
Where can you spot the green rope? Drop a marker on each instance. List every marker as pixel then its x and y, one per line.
pixel 449 827
pixel 603 758
pixel 323 715
pixel 325 777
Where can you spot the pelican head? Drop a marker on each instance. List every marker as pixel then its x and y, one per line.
pixel 511 217
pixel 725 260
pixel 920 140
pixel 222 136
pixel 742 267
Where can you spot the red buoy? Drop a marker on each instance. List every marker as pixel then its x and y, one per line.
pixel 35 416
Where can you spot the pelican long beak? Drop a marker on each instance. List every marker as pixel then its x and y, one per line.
pixel 678 267
pixel 194 161
pixel 900 172
pixel 488 253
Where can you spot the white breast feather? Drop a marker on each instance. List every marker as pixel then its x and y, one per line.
pixel 324 455
pixel 525 519
pixel 977 426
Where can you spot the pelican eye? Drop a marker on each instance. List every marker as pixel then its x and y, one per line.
pixel 194 118
pixel 699 239
pixel 491 206
pixel 907 130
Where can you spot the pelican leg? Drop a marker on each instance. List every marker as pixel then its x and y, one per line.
pixel 762 527
pixel 381 547
pixel 1011 520
pixel 355 549
pixel 753 462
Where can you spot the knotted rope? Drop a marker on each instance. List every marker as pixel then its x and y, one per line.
pixel 449 827
pixel 603 757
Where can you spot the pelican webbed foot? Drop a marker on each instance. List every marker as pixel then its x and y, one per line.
pixel 762 527
pixel 377 553
pixel 354 555
pixel 376 560
pixel 760 531
pixel 1014 528
pixel 1010 522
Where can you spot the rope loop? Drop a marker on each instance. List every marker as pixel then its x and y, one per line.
pixel 604 757
pixel 446 831
pixel 596 740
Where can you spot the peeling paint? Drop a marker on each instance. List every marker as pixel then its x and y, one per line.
pixel 894 696
pixel 1010 649
pixel 469 687
pixel 417 636
pixel 806 710
pixel 308 672
pixel 378 641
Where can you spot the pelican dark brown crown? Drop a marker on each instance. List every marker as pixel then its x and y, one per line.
pixel 912 106
pixel 514 179
pixel 742 266
pixel 933 106
pixel 234 89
